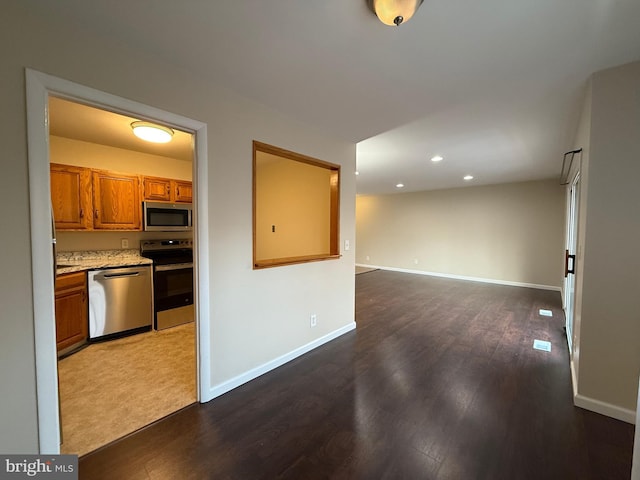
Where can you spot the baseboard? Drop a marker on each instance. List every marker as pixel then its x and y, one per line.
pixel 604 408
pixel 598 406
pixel 463 277
pixel 241 379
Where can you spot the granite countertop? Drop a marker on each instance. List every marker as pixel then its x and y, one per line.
pixel 70 262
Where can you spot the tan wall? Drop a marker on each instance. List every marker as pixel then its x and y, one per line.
pixel 610 304
pixel 244 334
pixel 86 154
pixel 294 197
pixel 511 232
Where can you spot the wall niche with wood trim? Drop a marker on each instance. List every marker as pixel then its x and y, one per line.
pixel 296 205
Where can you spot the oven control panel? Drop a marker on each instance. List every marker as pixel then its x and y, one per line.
pixel 164 245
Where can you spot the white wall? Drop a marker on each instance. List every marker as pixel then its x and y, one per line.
pixel 255 316
pixel 581 165
pixel 609 320
pixel 510 232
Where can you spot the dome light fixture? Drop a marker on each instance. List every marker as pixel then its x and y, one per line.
pixel 151 132
pixel 468 177
pixel 437 158
pixel 394 12
pixel 400 185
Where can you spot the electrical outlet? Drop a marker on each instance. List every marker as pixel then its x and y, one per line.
pixel 313 320
pixel 124 242
pixel 346 245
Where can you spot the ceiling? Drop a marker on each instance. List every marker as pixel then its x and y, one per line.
pixel 89 124
pixel 495 87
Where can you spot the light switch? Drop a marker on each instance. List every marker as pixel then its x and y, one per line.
pixel 346 245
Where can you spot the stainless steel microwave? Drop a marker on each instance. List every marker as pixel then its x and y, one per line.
pixel 167 217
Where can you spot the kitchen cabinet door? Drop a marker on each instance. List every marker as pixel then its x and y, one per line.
pixel 116 201
pixel 182 191
pixel 157 189
pixel 71 197
pixel 71 310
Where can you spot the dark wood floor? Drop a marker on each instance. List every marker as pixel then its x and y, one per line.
pixel 439 380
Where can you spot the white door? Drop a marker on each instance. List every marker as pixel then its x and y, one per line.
pixel 570 258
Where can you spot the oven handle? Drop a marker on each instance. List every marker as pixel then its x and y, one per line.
pixel 173 266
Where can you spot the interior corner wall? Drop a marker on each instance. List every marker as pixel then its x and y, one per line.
pixel 610 304
pixel 506 233
pixel 244 334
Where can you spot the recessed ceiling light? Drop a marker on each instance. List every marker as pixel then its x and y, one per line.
pixel 437 158
pixel 152 133
pixel 468 177
pixel 400 185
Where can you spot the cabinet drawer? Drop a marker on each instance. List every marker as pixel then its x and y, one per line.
pixel 70 280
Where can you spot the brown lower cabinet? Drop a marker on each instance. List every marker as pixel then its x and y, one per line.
pixel 71 310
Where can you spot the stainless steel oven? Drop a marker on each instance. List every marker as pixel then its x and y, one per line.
pixel 172 281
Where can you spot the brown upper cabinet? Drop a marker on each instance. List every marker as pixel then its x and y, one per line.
pixel 183 191
pixel 87 199
pixel 71 197
pixel 116 201
pixel 157 189
pixel 90 199
pixel 167 190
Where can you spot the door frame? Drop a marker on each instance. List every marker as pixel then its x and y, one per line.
pixel 571 243
pixel 39 86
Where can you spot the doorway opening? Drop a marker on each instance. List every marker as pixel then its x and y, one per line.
pixel 124 329
pixel 40 87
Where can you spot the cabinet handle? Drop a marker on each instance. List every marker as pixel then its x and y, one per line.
pixel 96 213
pixel 82 213
pixel 168 189
pixel 177 191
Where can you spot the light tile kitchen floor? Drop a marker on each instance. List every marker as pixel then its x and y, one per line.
pixel 114 388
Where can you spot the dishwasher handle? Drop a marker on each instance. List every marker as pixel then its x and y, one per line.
pixel 118 275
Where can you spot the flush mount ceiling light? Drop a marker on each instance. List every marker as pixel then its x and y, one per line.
pixel 394 12
pixel 399 185
pixel 152 133
pixel 468 177
pixel 437 158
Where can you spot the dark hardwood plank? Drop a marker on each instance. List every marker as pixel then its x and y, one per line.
pixel 439 381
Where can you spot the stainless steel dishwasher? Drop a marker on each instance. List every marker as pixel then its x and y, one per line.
pixel 120 301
